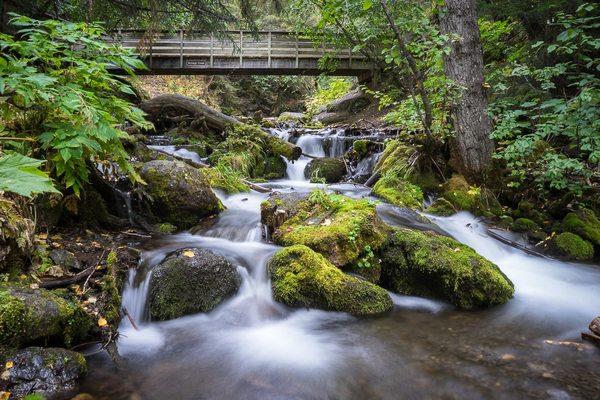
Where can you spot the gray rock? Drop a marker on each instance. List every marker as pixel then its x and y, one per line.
pixel 278 208
pixel 190 281
pixel 180 194
pixel 46 371
pixel 332 170
pixel 65 259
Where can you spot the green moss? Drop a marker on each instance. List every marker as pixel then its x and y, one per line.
pixel 226 179
pixel 573 246
pixel 441 207
pixel 427 264
pixel 470 198
pixel 524 225
pixel 584 223
pixel 30 316
pixel 330 170
pixel 301 277
pixel 360 148
pixel 165 228
pixel 336 226
pixel 398 191
pixel 111 295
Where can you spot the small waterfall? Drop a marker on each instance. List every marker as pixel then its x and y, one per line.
pixel 337 146
pixel 311 145
pixel 365 167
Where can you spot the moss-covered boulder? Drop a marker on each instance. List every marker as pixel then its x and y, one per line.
pixel 441 207
pixel 398 191
pixel 584 223
pixel 48 372
pixel 331 170
pixel 29 316
pixel 278 208
pixel 336 226
pixel 572 246
pixel 426 264
pixel 469 198
pixel 180 194
pixel 252 152
pixel 529 227
pixel 190 281
pixel 301 277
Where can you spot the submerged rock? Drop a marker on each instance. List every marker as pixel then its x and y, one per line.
pixel 44 371
pixel 336 226
pixel 190 281
pixel 37 315
pixel 427 264
pixel 332 170
pixel 301 277
pixel 180 194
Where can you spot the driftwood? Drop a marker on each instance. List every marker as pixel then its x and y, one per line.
pixel 374 178
pixel 70 280
pixel 126 312
pixel 162 108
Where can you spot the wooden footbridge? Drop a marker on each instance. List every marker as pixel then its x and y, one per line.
pixel 237 52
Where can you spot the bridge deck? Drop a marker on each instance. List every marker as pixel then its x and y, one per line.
pixel 236 52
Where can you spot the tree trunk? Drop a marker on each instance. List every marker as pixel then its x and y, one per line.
pixel 472 145
pixel 163 109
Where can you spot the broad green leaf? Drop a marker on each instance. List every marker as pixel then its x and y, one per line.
pixel 20 174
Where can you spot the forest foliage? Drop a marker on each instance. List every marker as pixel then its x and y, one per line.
pixel 61 104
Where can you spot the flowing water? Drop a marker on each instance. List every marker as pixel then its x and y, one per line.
pixel 251 347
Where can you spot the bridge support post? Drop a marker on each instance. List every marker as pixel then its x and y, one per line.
pixel 181 48
pixel 269 50
pixel 241 49
pixel 297 55
pixel 212 51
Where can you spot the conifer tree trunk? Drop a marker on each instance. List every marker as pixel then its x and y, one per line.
pixel 472 146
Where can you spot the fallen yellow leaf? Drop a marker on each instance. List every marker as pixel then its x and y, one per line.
pixel 189 253
pixel 102 322
pixel 4 395
pixel 9 364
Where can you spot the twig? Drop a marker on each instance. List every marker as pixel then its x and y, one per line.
pixel 126 312
pixel 17 139
pixel 68 281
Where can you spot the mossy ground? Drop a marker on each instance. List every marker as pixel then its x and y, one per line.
pixel 470 198
pixel 334 225
pixel 427 264
pixel 304 278
pixel 584 223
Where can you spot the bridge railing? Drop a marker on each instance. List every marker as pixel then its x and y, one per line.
pixel 229 47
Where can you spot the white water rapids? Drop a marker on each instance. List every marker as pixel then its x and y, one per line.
pixel 251 347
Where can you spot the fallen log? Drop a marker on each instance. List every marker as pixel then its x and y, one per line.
pixel 57 283
pixel 163 109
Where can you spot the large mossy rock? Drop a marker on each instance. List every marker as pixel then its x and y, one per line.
pixel 336 226
pixel 398 191
pixel 49 372
pixel 29 316
pixel 426 264
pixel 301 277
pixel 584 223
pixel 190 281
pixel 571 246
pixel 332 170
pixel 181 194
pixel 469 198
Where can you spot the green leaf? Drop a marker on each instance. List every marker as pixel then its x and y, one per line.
pixel 20 174
pixel 367 4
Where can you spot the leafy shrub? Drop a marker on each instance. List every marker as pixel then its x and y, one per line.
pixel 548 118
pixel 329 89
pixel 59 100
